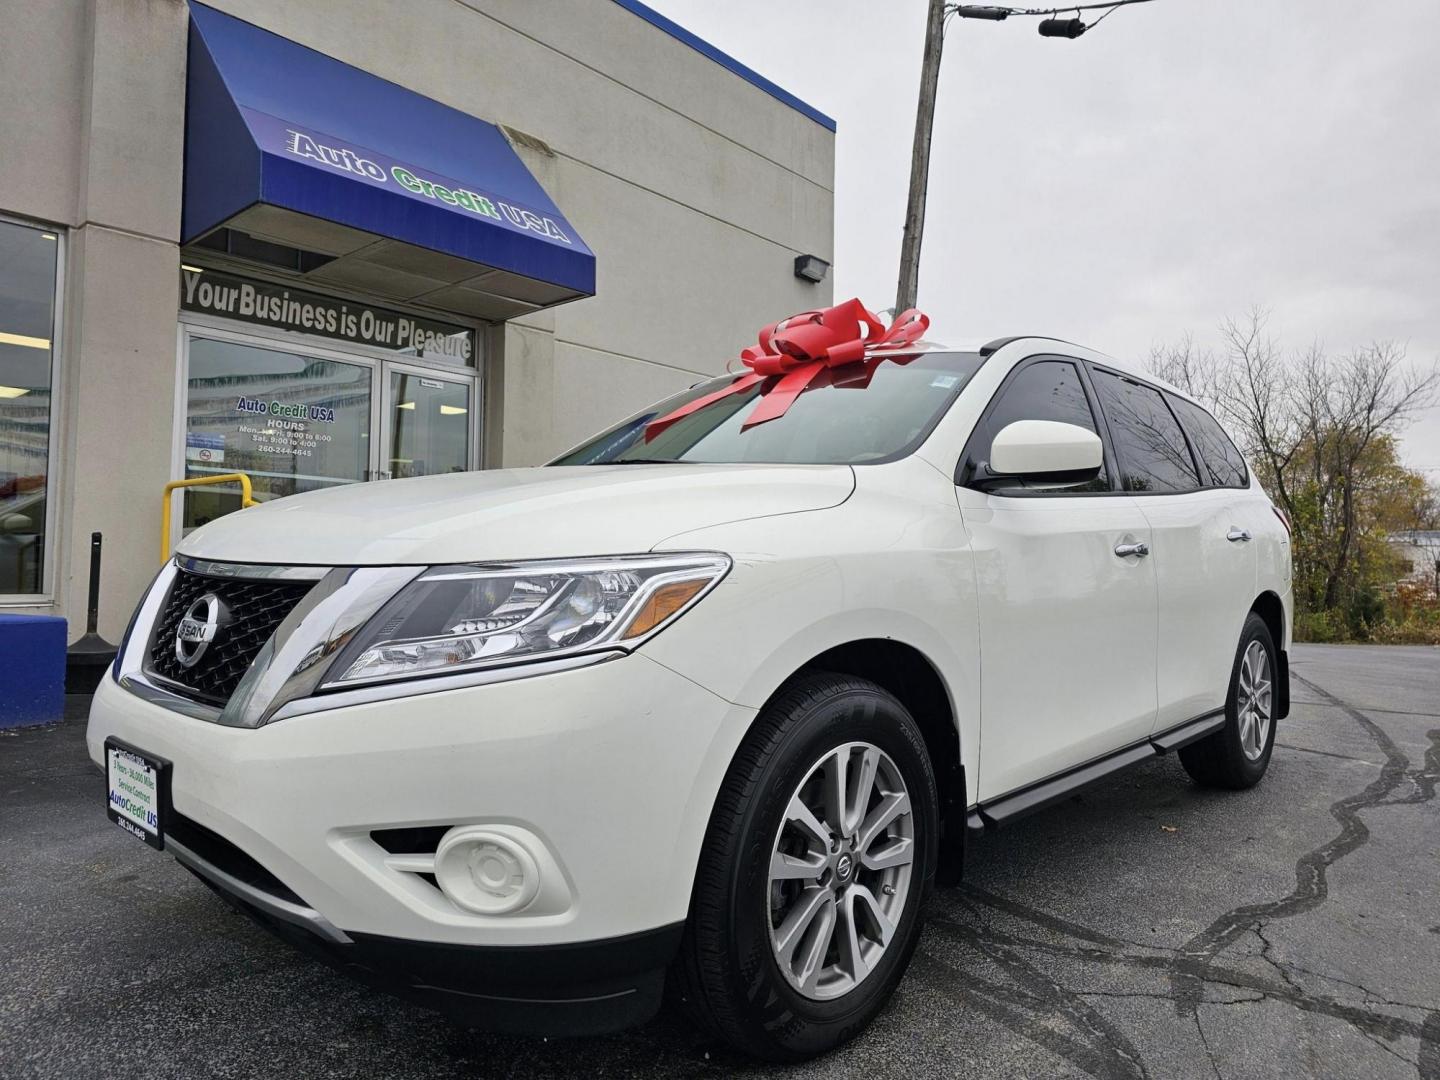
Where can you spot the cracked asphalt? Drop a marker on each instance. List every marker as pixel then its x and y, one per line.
pixel 1147 928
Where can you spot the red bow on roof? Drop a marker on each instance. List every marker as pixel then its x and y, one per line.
pixel 797 349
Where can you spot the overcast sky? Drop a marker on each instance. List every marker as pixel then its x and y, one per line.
pixel 1185 160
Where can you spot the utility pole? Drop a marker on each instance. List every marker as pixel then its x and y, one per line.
pixel 909 283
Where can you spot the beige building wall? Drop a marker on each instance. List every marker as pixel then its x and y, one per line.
pixel 695 189
pixel 93 134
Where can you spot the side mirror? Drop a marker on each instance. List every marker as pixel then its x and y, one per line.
pixel 1043 451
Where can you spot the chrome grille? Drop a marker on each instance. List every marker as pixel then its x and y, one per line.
pixel 253 610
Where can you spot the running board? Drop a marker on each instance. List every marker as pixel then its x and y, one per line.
pixel 1026 801
pixel 1185 734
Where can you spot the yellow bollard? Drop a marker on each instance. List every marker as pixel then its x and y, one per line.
pixel 200 481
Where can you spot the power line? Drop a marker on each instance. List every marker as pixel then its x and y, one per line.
pixel 1051 26
pixel 1000 11
pixel 1103 17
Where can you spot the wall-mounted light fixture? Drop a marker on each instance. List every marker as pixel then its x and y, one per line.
pixel 811 268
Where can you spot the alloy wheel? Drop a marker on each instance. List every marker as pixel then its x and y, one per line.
pixel 840 870
pixel 1252 700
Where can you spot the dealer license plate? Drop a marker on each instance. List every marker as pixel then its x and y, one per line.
pixel 139 791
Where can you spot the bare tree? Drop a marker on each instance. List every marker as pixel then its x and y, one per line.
pixel 1356 399
pixel 1254 391
pixel 1311 423
pixel 1249 387
pixel 1188 366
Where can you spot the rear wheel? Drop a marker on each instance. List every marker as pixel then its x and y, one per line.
pixel 820 851
pixel 1238 754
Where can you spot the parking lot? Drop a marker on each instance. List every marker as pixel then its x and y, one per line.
pixel 1145 928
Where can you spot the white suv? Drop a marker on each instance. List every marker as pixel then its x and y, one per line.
pixel 702 698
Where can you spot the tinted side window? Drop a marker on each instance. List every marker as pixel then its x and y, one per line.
pixel 1148 440
pixel 1223 464
pixel 1045 390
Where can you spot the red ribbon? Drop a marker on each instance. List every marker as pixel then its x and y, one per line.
pixel 797 349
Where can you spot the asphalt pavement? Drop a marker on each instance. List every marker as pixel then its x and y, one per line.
pixel 1147 928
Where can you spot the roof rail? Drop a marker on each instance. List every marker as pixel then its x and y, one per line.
pixel 1000 342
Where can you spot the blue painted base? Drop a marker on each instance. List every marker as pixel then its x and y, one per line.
pixel 32 669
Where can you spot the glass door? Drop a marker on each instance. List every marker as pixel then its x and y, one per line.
pixel 426 422
pixel 293 422
pixel 296 418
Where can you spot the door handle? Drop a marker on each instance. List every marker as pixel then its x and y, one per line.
pixel 1141 549
pixel 1237 534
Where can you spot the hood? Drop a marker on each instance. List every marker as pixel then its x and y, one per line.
pixel 506 514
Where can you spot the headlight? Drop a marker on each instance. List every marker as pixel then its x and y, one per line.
pixel 457 618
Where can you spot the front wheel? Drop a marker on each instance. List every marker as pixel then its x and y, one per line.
pixel 820 851
pixel 1238 754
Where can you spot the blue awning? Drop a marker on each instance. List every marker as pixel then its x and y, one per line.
pixel 295 147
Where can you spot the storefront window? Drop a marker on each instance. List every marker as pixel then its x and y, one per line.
pixel 29 267
pixel 291 422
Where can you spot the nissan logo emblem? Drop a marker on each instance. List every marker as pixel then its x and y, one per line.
pixel 197 629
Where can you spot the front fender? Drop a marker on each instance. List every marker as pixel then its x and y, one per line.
pixel 880 566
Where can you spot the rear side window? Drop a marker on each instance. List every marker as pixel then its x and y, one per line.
pixel 1042 390
pixel 1222 464
pixel 1148 441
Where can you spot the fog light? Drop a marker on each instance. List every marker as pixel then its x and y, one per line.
pixel 485 872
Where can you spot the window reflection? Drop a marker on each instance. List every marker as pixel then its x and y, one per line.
pixel 1153 454
pixel 1224 465
pixel 852 415
pixel 29 258
pixel 429 425
pixel 293 423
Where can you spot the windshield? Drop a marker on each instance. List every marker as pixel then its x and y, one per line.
pixel 875 410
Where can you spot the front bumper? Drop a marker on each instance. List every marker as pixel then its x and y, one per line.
pixel 587 988
pixel 610 771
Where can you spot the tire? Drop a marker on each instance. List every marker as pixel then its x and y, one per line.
pixel 1238 754
pixel 730 966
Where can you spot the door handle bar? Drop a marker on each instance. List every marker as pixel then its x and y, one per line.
pixel 1237 534
pixel 1141 549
